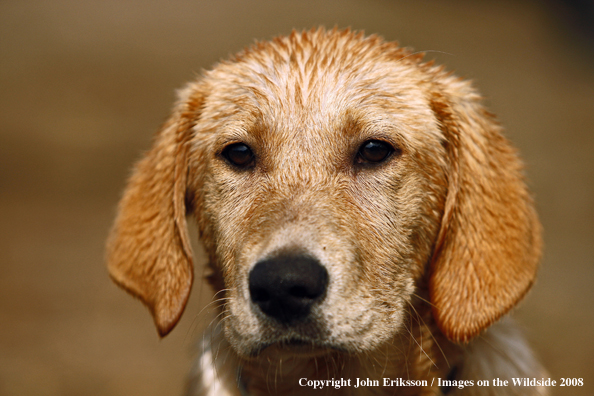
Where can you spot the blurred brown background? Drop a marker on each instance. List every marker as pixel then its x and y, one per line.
pixel 84 85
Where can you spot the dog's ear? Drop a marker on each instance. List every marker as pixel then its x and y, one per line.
pixel 488 247
pixel 148 251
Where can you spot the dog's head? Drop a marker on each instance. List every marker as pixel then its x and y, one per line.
pixel 330 175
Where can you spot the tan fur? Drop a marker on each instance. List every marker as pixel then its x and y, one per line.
pixel 424 252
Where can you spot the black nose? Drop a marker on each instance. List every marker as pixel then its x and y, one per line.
pixel 286 287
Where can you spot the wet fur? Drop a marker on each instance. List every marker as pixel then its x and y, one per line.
pixel 424 252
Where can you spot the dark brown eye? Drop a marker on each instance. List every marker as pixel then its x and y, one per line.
pixel 238 154
pixel 374 151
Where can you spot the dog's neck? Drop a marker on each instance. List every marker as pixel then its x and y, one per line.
pixel 377 373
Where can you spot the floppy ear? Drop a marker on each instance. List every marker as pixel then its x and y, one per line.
pixel 148 250
pixel 488 246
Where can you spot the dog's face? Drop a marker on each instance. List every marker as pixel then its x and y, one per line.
pixel 347 175
pixel 330 175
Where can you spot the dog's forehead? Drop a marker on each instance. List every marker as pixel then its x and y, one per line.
pixel 294 82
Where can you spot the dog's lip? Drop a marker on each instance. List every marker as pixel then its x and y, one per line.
pixel 298 346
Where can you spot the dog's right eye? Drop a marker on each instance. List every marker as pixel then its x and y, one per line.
pixel 374 152
pixel 239 155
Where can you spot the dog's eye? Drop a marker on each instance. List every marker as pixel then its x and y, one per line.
pixel 374 151
pixel 239 154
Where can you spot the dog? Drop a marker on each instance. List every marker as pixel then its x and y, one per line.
pixel 364 220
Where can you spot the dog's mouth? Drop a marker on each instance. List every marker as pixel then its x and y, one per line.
pixel 296 347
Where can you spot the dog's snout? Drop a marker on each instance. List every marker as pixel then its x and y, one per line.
pixel 286 287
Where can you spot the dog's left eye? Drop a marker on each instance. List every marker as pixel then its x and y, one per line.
pixel 374 151
pixel 239 154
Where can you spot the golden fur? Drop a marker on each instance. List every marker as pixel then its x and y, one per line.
pixel 424 251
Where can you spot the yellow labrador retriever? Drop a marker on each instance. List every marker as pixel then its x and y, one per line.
pixel 364 218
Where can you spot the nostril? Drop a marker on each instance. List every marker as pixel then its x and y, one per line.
pixel 287 286
pixel 259 294
pixel 299 292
